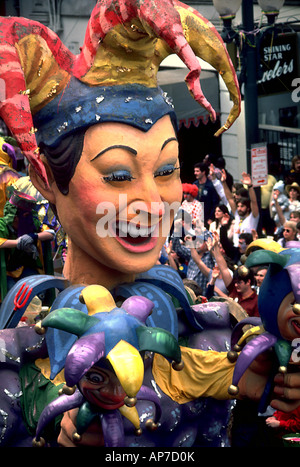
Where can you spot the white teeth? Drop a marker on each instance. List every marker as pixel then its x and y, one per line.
pixel 134 230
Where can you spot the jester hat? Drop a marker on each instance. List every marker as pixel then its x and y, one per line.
pixel 117 334
pixel 47 92
pixel 113 338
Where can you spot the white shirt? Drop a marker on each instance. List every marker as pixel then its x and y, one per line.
pixel 243 226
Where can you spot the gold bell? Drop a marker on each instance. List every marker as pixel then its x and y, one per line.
pixel 282 369
pixel 68 390
pixel 38 443
pixel 138 432
pixel 151 425
pixel 39 329
pixel 177 366
pixel 296 308
pixel 233 390
pixel 76 437
pixel 243 271
pixel 130 401
pixel 232 356
pixel 237 348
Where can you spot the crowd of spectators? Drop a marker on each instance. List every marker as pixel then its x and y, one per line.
pixel 30 234
pixel 211 250
pixel 219 218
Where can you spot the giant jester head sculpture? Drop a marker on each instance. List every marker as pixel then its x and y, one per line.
pixel 46 92
pixel 104 369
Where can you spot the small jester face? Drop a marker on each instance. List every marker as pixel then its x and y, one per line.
pixel 101 387
pixel 288 320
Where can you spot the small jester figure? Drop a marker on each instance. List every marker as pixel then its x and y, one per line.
pixel 279 310
pixel 106 364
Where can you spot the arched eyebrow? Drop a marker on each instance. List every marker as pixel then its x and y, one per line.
pixel 116 146
pixel 129 148
pixel 168 141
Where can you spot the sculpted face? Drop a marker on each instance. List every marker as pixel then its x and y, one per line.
pixel 102 388
pixel 116 213
pixel 288 321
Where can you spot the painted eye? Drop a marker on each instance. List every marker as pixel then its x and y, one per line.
pixel 94 377
pixel 165 170
pixel 118 176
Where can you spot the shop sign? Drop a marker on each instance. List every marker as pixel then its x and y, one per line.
pixel 259 164
pixel 278 64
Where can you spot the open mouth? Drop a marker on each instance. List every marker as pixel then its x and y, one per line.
pixel 135 237
pixel 296 326
pixel 105 403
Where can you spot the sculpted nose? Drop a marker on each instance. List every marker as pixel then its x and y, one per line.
pixel 147 202
pixel 153 210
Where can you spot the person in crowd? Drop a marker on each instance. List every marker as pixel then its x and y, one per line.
pixel 259 275
pixel 298 230
pixel 242 290
pixel 8 171
pixel 241 193
pixel 176 262
pixel 21 234
pixel 284 423
pixel 215 176
pixel 235 189
pixel 182 228
pixel 268 224
pixel 245 220
pixel 194 286
pixel 235 253
pixel 295 216
pixel 209 272
pixel 206 191
pixel 182 225
pixel 222 213
pixel 210 288
pixel 293 191
pixel 293 175
pixel 289 233
pixel 221 165
pixel 279 206
pixel 201 251
pixel 48 218
pixel 191 204
pixel 240 285
pixel 245 210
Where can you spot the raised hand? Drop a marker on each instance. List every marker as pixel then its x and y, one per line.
pixel 246 179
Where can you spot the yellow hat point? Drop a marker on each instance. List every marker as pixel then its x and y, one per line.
pixel 128 366
pixel 97 299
